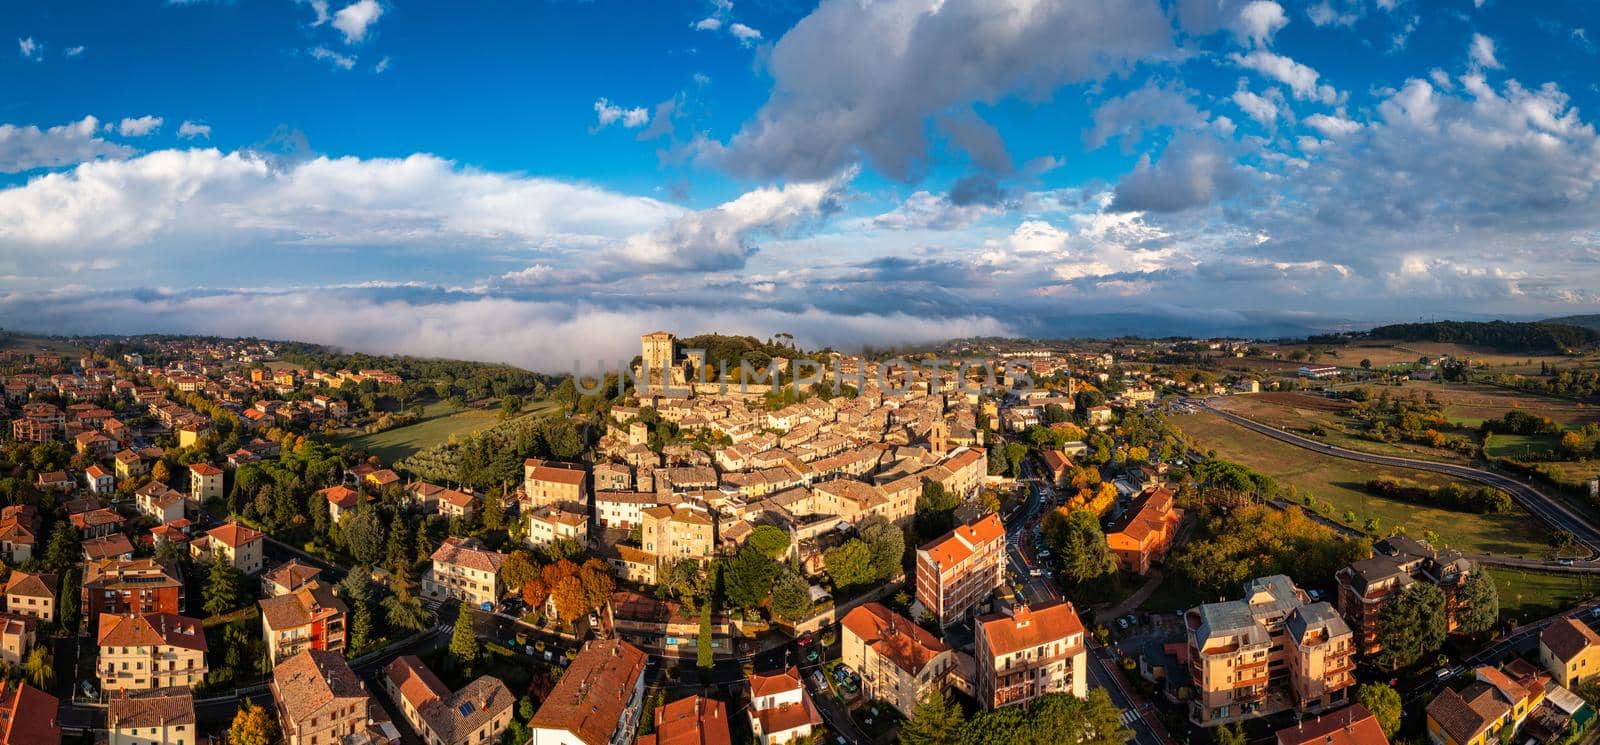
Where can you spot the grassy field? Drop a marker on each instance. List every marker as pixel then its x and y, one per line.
pixel 1519 446
pixel 1471 403
pixel 1340 482
pixel 439 423
pixel 39 345
pixel 1297 412
pixel 1527 596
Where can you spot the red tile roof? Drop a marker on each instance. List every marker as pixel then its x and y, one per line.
pixel 695 720
pixel 893 636
pixel 28 716
pixel 235 535
pixel 1029 627
pixel 1352 725
pixel 590 699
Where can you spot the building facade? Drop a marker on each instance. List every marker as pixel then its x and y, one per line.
pixel 961 569
pixel 1028 652
pixel 899 661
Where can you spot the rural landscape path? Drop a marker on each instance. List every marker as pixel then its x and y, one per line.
pixel 1543 506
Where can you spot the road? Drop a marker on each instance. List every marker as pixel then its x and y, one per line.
pixel 1138 715
pixel 1546 508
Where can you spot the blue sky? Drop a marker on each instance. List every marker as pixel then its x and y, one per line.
pixel 538 181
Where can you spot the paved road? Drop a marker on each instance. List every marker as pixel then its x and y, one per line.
pixel 1546 508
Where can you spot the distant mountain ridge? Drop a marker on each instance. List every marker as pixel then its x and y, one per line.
pixel 1503 336
pixel 1589 321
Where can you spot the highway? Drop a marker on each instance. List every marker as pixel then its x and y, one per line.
pixel 1546 508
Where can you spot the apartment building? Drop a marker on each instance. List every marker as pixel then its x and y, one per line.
pixel 598 699
pixel 151 650
pixel 898 660
pixel 238 545
pixel 288 577
pixel 1368 585
pixel 29 594
pixel 1352 725
pixel 131 586
pixel 1270 651
pixel 160 502
pixel 549 524
pixel 320 700
pixel 1142 535
pixel 19 532
pixel 961 569
pixel 205 482
pixel 1027 652
pixel 477 713
pixel 695 720
pixel 552 483
pixel 159 717
pixel 310 617
pixel 677 532
pixel 1570 652
pixel 464 569
pixel 623 509
pixel 1496 698
pixel 781 711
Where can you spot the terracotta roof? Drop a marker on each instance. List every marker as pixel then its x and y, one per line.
pixel 205 469
pixel 307 682
pixel 293 574
pixel 893 636
pixel 570 476
pixel 31 585
pixel 453 717
pixel 151 630
pixel 102 516
pixel 160 707
pixel 457 497
pixel 1147 517
pixel 28 716
pixel 470 553
pixel 107 546
pixel 234 535
pixel 300 607
pixel 1568 637
pixel 96 471
pixel 956 546
pixel 768 685
pixel 1465 715
pixel 342 496
pixel 695 720
pixel 590 699
pixel 1029 627
pixel 1352 725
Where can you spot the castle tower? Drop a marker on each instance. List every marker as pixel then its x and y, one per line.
pixel 937 434
pixel 659 349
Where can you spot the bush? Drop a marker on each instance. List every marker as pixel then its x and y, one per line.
pixel 1481 499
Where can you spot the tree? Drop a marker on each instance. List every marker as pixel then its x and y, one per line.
pixel 40 669
pixel 463 641
pixel 747 577
pixel 1078 541
pixel 849 565
pixel 494 511
pixel 934 721
pixel 510 406
pixel 403 610
pixel 887 546
pixel 222 588
pixel 518 570
pixel 360 627
pixel 791 597
pixel 1231 734
pixel 1411 625
pixel 1480 604
pixel 770 540
pixel 596 583
pixel 363 536
pixel 936 511
pixel 1050 719
pixel 64 547
pixel 399 546
pixel 253 725
pixel 703 652
pixel 1384 703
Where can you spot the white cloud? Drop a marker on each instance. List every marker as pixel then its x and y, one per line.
pixel 607 113
pixel 1194 171
pixel 723 237
pixel 744 34
pixel 857 81
pixel 356 19
pixel 30 49
pixel 208 201
pixel 926 211
pixel 139 127
pixel 1146 108
pixel 28 147
pixel 1332 126
pixel 1324 14
pixel 74 51
pixel 1481 52
pixel 320 8
pixel 708 24
pixel 1259 20
pixel 189 130
pixel 1263 109
pixel 341 61
pixel 1301 79
pixel 381 67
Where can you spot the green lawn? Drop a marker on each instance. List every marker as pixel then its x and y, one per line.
pixel 1528 596
pixel 1518 447
pixel 439 423
pixel 1340 482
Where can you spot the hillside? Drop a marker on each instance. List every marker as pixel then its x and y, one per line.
pixel 1590 321
pixel 1503 336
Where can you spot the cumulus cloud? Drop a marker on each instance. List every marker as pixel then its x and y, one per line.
pixel 356 19
pixel 1259 20
pixel 708 24
pixel 24 148
pixel 1251 22
pixel 341 61
pixel 30 49
pixel 723 237
pixel 189 130
pixel 1481 52
pixel 210 201
pixel 1301 79
pixel 855 81
pixel 1129 116
pixel 745 34
pixel 926 211
pixel 607 113
pixel 74 51
pixel 1263 109
pixel 1194 171
pixel 1324 14
pixel 139 127
pixel 1332 126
